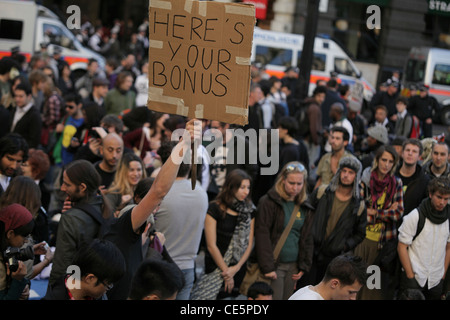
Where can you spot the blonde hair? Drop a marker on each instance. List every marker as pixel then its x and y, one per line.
pixel 292 167
pixel 120 183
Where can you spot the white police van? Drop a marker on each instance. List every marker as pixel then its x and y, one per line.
pixel 26 25
pixel 430 66
pixel 277 51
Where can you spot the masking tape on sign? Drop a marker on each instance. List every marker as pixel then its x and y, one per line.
pixel 240 9
pixel 159 4
pixel 157 95
pixel 236 110
pixel 199 111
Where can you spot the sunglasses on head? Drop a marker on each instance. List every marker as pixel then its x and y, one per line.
pixel 295 167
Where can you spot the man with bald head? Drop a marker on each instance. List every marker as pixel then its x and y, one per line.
pixel 111 151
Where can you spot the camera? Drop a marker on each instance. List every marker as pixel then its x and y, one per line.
pixel 13 255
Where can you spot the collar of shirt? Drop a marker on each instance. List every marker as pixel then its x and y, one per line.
pixel 4 181
pixel 402 114
pixel 24 109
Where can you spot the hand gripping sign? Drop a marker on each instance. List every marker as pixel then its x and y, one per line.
pixel 199 59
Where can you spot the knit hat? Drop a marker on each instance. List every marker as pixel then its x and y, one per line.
pixel 348 162
pixel 15 216
pixel 379 133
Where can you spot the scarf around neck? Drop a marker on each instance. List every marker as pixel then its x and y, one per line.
pixel 378 187
pixel 437 217
pixel 242 231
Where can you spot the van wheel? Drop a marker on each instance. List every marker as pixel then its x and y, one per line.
pixel 445 116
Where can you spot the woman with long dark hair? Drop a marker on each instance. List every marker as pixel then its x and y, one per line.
pixel 229 239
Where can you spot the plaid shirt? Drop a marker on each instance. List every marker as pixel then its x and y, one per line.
pixel 52 111
pixel 388 218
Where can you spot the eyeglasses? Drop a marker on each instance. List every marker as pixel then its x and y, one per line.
pixel 69 106
pixel 295 167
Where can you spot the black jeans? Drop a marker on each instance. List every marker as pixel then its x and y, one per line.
pixel 429 294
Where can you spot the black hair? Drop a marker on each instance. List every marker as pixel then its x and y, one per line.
pixel 290 124
pixel 347 269
pixel 259 288
pixel 102 258
pixel 165 150
pixel 158 277
pixel 13 143
pixel 73 97
pixel 83 171
pixel 319 89
pixel 345 134
pixel 24 86
pixel 143 187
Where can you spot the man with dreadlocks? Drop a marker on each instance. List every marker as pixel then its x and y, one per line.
pixel 340 218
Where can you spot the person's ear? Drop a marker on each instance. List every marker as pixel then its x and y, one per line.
pixel 334 283
pixel 83 187
pixel 90 278
pixel 10 234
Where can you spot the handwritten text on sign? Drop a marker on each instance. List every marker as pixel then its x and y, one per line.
pixel 199 59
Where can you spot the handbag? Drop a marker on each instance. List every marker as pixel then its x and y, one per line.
pixel 253 272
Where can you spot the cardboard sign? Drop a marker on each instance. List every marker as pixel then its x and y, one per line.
pixel 199 59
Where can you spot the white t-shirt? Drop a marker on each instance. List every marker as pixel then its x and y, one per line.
pixel 306 293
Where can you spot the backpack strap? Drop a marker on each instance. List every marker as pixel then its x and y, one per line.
pixel 420 223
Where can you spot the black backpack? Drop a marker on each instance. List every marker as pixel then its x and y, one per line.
pixel 301 116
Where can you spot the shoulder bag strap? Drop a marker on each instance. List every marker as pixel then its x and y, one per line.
pixel 285 233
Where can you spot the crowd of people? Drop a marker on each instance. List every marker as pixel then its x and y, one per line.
pixel 88 180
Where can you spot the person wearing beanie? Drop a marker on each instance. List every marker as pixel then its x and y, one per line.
pixel 16 223
pixel 376 137
pixel 424 242
pixel 340 218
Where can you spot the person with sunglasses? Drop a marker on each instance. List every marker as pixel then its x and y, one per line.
pixel 424 242
pixel 274 211
pixel 66 131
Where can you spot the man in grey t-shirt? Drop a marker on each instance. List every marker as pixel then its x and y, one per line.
pixel 181 218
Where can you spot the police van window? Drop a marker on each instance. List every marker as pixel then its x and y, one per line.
pixel 11 29
pixel 343 66
pixel 441 74
pixel 319 61
pixel 274 56
pixel 55 35
pixel 415 70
